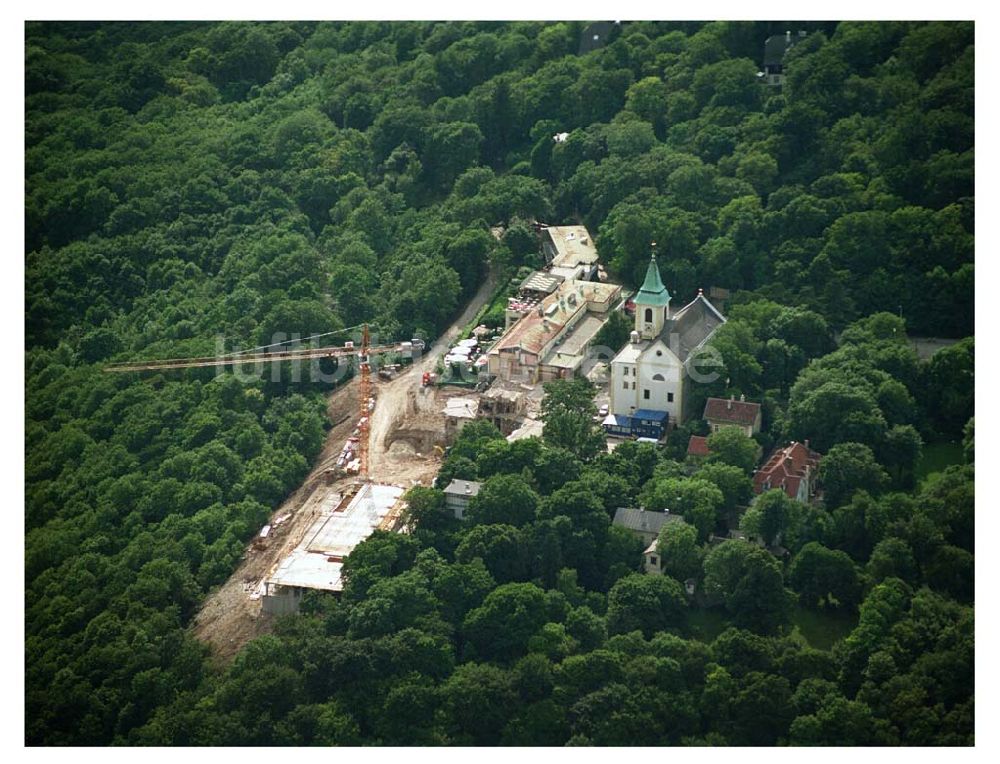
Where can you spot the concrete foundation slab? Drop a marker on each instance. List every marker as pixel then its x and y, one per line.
pixel 318 561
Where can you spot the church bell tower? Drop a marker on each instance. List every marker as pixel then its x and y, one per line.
pixel 652 301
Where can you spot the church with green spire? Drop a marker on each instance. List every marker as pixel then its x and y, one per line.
pixel 651 381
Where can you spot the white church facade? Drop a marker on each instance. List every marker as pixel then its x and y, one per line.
pixel 650 377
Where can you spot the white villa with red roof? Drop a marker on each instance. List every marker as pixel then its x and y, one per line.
pixel 792 468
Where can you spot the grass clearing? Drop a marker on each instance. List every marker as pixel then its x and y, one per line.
pixel 820 629
pixel 823 628
pixel 936 457
pixel 707 623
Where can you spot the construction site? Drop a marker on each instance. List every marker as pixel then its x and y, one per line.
pixel 392 424
pixel 338 506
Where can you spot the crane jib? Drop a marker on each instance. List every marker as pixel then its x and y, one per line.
pixel 248 359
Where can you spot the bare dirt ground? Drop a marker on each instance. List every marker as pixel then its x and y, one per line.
pixel 229 618
pixel 406 425
pixel 403 401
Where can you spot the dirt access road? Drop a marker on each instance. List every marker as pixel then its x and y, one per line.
pixel 229 617
pixel 403 397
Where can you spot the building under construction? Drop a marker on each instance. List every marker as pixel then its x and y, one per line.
pixel 342 523
pixel 504 407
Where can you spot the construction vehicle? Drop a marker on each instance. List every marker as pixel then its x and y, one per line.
pixel 389 372
pixel 260 540
pixel 411 349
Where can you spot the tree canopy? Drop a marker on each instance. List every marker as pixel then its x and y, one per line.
pixel 195 183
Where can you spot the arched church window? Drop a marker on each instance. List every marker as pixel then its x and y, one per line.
pixel 649 315
pixel 658 378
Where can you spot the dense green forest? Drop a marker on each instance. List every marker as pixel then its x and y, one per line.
pixel 186 181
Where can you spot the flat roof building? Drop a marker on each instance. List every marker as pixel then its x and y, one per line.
pixel 541 282
pixel 317 562
pixel 570 252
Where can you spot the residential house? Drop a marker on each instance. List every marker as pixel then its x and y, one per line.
pixel 458 494
pixel 723 412
pixel 644 523
pixel 792 468
pixel 775 48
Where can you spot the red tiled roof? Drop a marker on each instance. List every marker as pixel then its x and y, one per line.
pixel 735 412
pixel 698 446
pixel 786 468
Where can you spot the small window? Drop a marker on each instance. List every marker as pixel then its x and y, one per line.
pixel 645 395
pixel 658 378
pixel 649 315
pixel 633 385
pixel 659 352
pixel 670 397
pixel 624 385
pixel 652 559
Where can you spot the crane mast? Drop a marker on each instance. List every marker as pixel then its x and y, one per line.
pixel 365 403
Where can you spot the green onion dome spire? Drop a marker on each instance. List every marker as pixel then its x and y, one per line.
pixel 652 292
